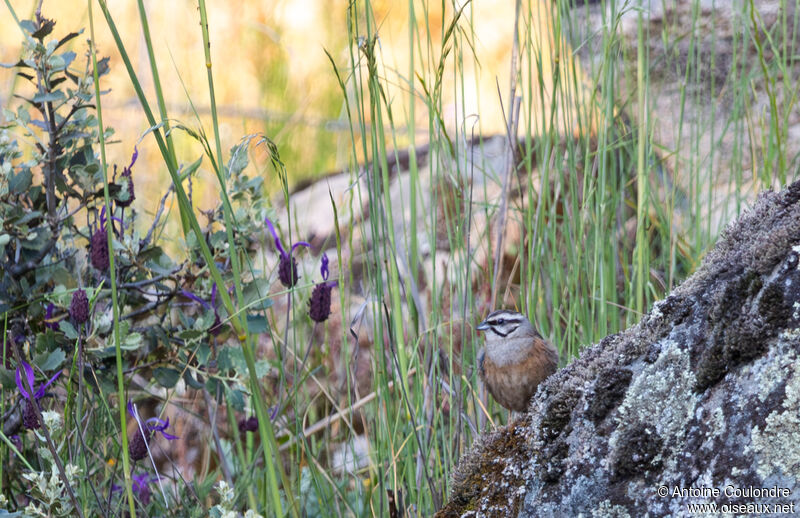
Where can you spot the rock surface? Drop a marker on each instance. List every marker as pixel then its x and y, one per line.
pixel 703 395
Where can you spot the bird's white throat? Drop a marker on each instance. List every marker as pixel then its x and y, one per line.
pixel 511 350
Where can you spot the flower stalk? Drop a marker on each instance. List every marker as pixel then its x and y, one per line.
pixel 31 397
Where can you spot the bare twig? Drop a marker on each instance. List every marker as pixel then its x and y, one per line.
pixel 33 263
pixel 74 211
pixel 162 299
pixel 12 420
pixel 50 121
pixel 147 282
pixel 73 110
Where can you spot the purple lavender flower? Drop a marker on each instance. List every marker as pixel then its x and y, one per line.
pixel 319 305
pixel 49 321
pixel 248 425
pixel 287 268
pixel 217 327
pixel 79 307
pixel 141 486
pixel 29 418
pixel 137 448
pixel 98 245
pixel 126 175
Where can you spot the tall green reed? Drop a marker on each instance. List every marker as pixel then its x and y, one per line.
pixel 121 399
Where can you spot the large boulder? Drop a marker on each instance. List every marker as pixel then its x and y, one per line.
pixel 700 399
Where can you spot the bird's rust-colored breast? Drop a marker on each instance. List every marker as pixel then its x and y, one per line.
pixel 513 385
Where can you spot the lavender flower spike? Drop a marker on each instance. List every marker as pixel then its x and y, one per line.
pixel 323 269
pixel 154 424
pixel 140 485
pixel 287 268
pixel 319 305
pixel 39 394
pixel 79 307
pixel 29 418
pixel 137 447
pixel 98 245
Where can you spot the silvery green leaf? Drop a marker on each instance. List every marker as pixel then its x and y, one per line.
pixel 68 329
pixel 52 361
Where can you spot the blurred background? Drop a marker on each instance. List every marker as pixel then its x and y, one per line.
pixel 272 74
pixel 647 126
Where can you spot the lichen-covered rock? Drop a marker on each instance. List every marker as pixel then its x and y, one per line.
pixel 701 399
pixel 493 475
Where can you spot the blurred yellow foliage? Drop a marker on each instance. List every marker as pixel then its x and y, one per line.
pixel 271 74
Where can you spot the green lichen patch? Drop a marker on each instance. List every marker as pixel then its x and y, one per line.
pixel 608 510
pixel 661 394
pixel 551 433
pixel 777 444
pixel 773 368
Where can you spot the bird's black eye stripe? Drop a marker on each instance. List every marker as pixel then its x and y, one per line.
pixel 503 321
pixel 508 330
pixel 498 332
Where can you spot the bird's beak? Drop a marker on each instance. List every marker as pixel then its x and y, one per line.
pixel 483 326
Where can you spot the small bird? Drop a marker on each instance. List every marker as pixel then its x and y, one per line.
pixel 515 360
